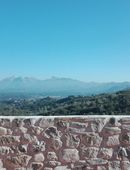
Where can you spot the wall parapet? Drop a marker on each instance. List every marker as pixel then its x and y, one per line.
pixel 65 143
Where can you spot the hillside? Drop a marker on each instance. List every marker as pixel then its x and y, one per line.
pixel 104 104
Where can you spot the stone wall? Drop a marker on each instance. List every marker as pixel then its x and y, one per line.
pixel 65 143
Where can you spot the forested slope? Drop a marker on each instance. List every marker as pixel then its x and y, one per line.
pixel 104 104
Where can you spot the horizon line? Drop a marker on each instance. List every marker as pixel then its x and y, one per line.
pixel 59 77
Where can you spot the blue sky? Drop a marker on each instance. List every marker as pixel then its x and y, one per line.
pixel 82 39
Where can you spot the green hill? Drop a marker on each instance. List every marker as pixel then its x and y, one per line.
pixel 103 104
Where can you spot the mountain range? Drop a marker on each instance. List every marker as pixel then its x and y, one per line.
pixel 60 87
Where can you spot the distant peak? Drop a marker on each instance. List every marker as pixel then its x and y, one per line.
pixel 19 78
pixel 54 77
pixel 61 78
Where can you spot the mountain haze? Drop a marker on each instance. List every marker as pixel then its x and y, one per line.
pixel 32 87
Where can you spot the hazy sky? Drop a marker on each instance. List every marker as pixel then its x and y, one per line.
pixel 81 39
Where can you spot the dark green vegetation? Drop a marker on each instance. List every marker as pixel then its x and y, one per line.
pixel 104 104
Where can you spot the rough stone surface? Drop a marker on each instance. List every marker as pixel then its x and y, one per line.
pixel 113 141
pixel 39 157
pixel 70 155
pixel 65 143
pixel 89 152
